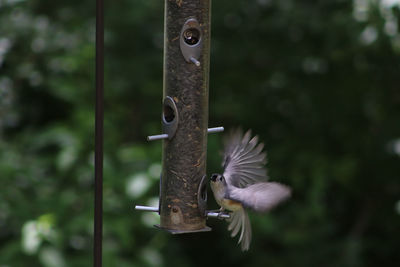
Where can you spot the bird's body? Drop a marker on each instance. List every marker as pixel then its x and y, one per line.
pixel 225 203
pixel 243 184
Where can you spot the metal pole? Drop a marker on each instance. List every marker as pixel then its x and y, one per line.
pixel 186 76
pixel 99 115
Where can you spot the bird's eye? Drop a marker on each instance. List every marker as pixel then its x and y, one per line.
pixel 220 178
pixel 214 177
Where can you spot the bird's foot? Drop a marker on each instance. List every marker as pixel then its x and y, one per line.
pixel 224 215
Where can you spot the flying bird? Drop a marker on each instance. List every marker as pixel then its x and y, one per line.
pixel 243 184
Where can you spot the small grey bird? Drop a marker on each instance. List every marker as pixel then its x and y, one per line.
pixel 243 184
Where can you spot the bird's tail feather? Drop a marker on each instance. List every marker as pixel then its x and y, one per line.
pixel 240 220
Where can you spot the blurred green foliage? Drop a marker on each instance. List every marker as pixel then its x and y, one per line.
pixel 317 80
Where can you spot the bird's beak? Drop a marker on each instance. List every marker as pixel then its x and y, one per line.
pixel 214 177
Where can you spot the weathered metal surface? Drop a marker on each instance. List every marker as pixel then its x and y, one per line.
pixel 184 155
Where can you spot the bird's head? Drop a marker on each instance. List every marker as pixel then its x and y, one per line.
pixel 218 179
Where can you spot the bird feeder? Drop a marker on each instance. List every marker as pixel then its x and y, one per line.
pixel 183 184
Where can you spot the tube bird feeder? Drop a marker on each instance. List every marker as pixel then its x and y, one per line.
pixel 186 75
pixel 183 185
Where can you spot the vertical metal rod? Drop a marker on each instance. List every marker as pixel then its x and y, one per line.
pixel 99 117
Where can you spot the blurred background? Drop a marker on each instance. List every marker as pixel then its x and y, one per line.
pixel 318 81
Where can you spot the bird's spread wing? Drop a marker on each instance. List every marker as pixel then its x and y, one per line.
pixel 244 162
pixel 260 197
